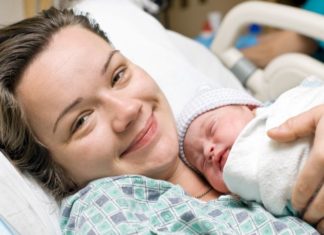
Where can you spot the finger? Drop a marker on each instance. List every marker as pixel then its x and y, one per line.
pixel 306 185
pixel 315 210
pixel 320 227
pixel 310 178
pixel 296 127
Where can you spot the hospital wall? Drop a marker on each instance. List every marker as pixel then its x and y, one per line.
pixel 14 10
pixel 189 19
pixel 10 11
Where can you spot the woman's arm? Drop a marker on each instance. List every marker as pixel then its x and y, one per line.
pixel 308 193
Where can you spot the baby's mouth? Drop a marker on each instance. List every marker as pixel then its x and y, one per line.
pixel 223 158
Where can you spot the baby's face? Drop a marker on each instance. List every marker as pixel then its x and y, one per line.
pixel 210 137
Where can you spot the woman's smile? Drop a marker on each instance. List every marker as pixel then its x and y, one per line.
pixel 128 127
pixel 144 137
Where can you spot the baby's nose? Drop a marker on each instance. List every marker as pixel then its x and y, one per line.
pixel 209 153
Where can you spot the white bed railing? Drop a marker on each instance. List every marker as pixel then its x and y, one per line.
pixel 290 69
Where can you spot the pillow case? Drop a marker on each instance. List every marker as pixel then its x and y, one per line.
pixel 24 204
pixel 6 228
pixel 203 60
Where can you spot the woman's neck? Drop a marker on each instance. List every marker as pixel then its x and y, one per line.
pixel 192 183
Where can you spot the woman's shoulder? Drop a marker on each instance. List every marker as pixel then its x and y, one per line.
pixel 115 188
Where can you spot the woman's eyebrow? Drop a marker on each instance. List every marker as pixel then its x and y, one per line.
pixel 78 100
pixel 106 65
pixel 65 111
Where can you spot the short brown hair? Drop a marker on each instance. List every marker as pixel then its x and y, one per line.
pixel 20 43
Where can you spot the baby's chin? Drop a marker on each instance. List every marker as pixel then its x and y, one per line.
pixel 224 190
pixel 219 186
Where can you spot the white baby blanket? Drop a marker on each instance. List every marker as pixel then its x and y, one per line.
pixel 261 169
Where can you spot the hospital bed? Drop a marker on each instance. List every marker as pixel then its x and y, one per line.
pixel 283 72
pixel 179 66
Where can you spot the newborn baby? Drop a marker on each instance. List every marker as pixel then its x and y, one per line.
pixel 209 126
pixel 223 136
pixel 210 138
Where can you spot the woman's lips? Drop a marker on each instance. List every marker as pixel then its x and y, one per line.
pixel 144 137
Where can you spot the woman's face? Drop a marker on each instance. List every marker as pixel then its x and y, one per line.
pixel 96 112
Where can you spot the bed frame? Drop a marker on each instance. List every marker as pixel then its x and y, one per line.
pixel 285 71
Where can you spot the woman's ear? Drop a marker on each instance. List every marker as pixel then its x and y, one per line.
pixel 252 108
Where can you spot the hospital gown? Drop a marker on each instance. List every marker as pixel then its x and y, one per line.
pixel 140 205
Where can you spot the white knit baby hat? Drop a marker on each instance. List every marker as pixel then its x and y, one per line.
pixel 208 98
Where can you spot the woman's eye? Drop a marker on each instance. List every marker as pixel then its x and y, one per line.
pixel 79 123
pixel 117 76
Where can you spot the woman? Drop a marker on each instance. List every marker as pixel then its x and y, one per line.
pixel 74 109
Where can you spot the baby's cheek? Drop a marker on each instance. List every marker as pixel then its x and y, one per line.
pixel 196 164
pixel 191 161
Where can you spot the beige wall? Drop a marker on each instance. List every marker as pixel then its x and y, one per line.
pixel 189 20
pixel 14 10
pixel 11 11
pixel 33 6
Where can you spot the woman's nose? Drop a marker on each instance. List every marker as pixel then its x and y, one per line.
pixel 126 112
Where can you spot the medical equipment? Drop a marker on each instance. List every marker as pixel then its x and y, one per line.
pixel 283 72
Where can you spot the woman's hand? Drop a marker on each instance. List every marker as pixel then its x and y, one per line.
pixel 276 43
pixel 308 193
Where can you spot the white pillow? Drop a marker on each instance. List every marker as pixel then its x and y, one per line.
pixel 204 60
pixel 24 204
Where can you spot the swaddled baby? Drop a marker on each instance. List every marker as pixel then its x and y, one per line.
pixel 223 136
